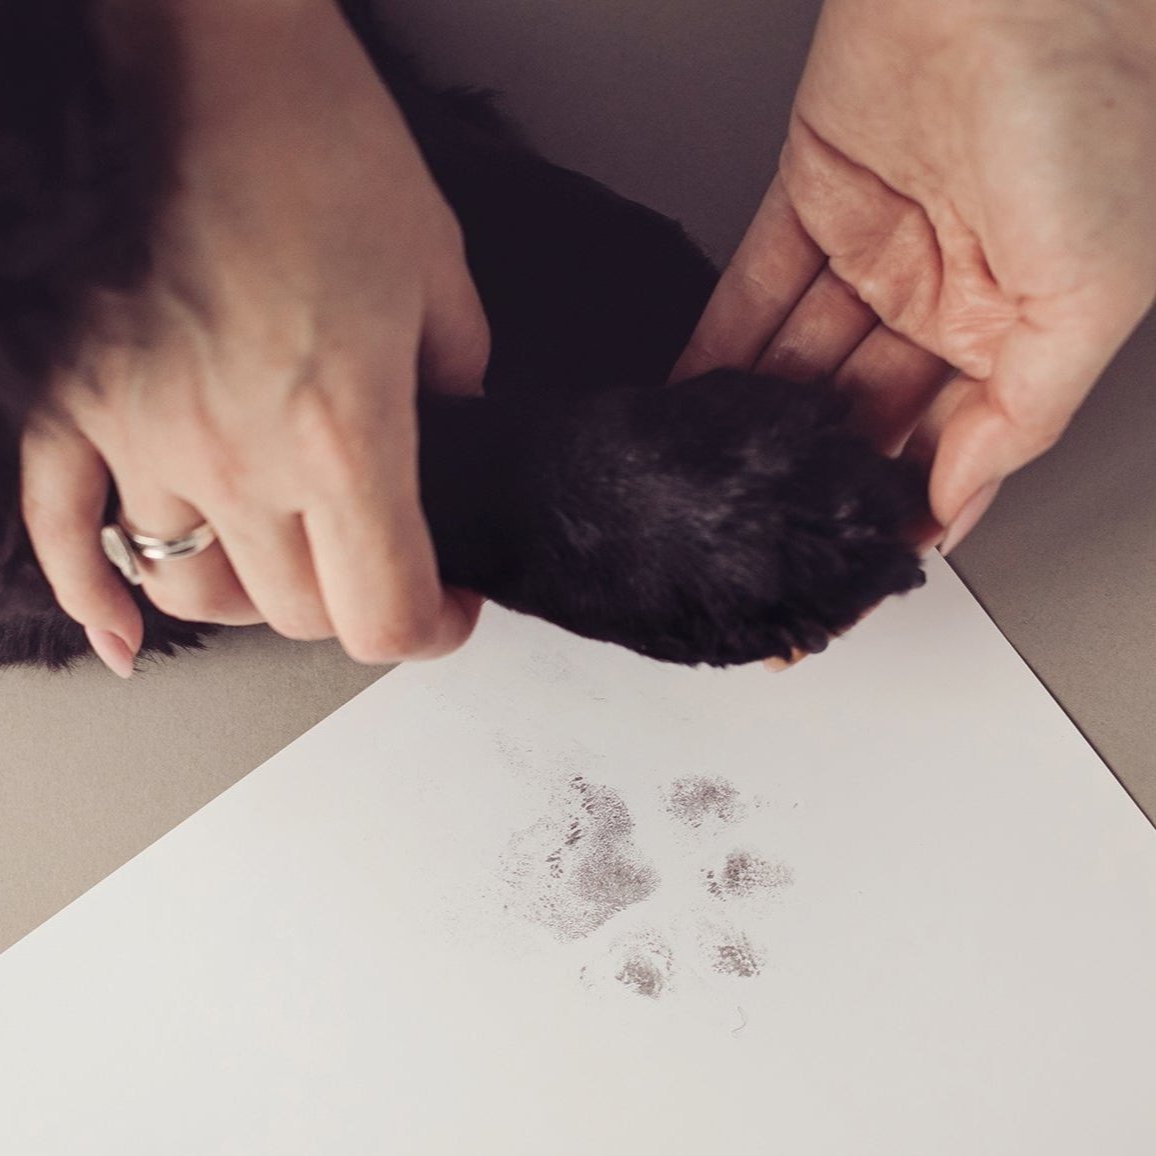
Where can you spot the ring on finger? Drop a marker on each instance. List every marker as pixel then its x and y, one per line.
pixel 123 546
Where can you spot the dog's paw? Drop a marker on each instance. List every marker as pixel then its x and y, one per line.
pixel 721 520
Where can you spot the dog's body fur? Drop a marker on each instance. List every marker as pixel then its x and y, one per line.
pixel 719 520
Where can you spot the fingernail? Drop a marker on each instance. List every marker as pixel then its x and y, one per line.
pixel 112 650
pixel 967 518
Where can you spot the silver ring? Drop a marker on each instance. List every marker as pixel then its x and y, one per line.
pixel 122 547
pixel 161 549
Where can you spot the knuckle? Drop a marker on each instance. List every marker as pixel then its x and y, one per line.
pixel 329 439
pixel 227 473
pixel 475 354
pixel 392 641
pixel 300 627
pixel 196 605
pixel 54 526
pixel 790 360
pixel 80 605
pixel 173 604
pixel 702 354
pixel 755 286
pixel 448 231
pixel 1037 427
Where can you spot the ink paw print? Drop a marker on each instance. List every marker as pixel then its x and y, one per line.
pixel 659 912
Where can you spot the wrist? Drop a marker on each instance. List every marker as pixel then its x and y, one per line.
pixel 270 61
pixel 237 39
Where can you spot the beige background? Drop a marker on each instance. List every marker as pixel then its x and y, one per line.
pixel 680 104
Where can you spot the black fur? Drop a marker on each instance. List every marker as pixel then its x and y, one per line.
pixel 716 521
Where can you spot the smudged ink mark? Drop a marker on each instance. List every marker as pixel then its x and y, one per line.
pixel 575 869
pixel 696 799
pixel 737 956
pixel 517 754
pixel 744 874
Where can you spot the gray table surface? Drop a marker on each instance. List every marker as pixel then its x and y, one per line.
pixel 680 104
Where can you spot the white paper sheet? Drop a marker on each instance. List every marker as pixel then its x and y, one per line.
pixel 889 903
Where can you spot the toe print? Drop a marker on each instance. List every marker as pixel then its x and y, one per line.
pixel 744 874
pixel 732 953
pixel 643 975
pixel 640 963
pixel 697 801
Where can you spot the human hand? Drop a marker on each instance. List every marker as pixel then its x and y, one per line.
pixel 263 378
pixel 964 186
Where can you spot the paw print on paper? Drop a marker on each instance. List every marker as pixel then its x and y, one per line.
pixel 583 872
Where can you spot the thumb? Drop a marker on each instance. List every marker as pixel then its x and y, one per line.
pixel 64 487
pixel 989 429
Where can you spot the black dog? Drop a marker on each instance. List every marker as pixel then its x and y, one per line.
pixel 719 520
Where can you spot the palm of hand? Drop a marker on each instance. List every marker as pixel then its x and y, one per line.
pixel 952 194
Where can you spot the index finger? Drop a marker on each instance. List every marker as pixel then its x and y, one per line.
pixel 382 591
pixel 372 553
pixel 768 275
